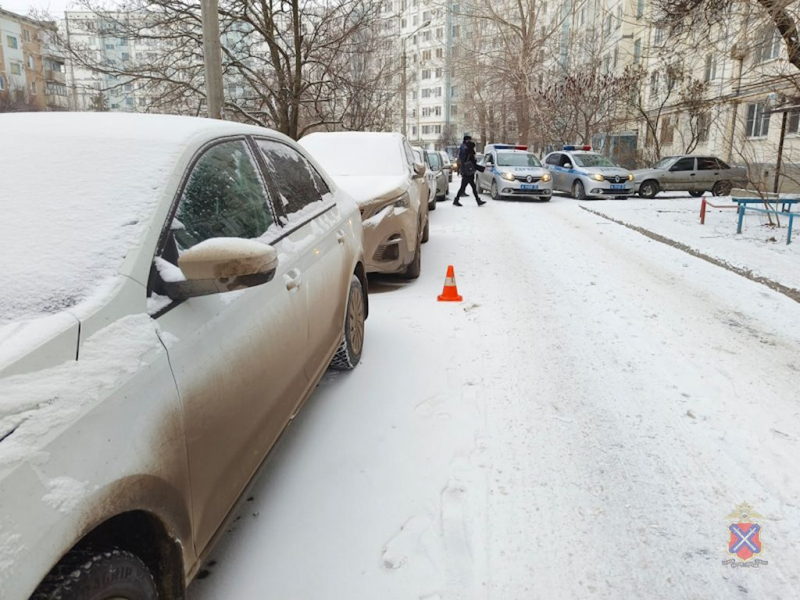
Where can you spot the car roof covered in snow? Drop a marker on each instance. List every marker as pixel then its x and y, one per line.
pixel 354 153
pixel 78 192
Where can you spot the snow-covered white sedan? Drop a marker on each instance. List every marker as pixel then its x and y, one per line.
pixel 173 290
pixel 387 179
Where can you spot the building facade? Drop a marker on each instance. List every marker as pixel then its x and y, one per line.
pixel 32 73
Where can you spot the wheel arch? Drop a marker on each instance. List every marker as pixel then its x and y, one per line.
pixel 361 273
pixel 652 180
pixel 142 533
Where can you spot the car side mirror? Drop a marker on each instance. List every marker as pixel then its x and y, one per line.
pixel 419 169
pixel 567 165
pixel 222 265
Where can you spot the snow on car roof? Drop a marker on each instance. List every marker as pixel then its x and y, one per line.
pixel 76 192
pixel 346 153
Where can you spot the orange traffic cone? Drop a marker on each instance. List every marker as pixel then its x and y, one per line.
pixel 450 291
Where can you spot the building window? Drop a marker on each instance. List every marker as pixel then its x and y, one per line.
pixel 616 57
pixel 439 71
pixel 31 62
pixel 792 122
pixel 770 45
pixel 426 93
pixel 426 55
pixel 639 9
pixel 16 68
pixel 426 36
pixel 454 91
pixel 12 42
pixel 438 92
pixel 667 130
pixel 440 53
pixel 619 16
pixel 439 33
pixel 757 121
pixel 109 46
pixel 454 109
pixel 437 129
pixel 2 83
pixel 414 130
pixel 711 68
pixel 26 35
pixel 415 20
pixel 426 16
pixel 703 126
pixel 33 88
pixel 654 84
pixel 426 73
pixel 456 30
pixel 637 51
pixel 658 36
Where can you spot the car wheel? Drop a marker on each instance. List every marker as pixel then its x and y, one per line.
pixel 432 206
pixel 88 574
pixel 578 190
pixel 648 189
pixel 697 193
pixel 349 353
pixel 415 268
pixel 722 188
pixel 494 193
pixel 426 233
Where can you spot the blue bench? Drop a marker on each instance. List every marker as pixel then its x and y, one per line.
pixel 745 205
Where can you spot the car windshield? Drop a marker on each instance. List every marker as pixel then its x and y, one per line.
pixel 365 154
pixel 78 201
pixel 592 160
pixel 664 163
pixel 517 159
pixel 434 160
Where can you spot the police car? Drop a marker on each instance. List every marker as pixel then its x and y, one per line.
pixel 586 174
pixel 513 171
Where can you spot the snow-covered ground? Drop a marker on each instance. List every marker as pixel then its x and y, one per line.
pixel 759 248
pixel 579 427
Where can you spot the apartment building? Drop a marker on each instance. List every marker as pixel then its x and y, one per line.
pixel 427 31
pixel 31 66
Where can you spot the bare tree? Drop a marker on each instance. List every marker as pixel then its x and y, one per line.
pixel 294 65
pixel 17 99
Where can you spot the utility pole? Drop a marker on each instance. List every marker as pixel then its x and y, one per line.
pixel 212 57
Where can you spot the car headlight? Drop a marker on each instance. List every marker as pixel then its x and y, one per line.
pixel 630 176
pixel 596 177
pixel 546 177
pixel 403 201
pixel 508 176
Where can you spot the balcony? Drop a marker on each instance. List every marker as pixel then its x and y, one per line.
pixel 56 76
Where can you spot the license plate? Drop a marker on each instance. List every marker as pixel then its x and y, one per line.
pixel 615 186
pixel 529 187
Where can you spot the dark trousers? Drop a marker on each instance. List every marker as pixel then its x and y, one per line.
pixel 465 181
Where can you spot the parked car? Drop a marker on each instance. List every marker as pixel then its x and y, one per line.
pixel 586 174
pixel 390 183
pixel 421 155
pixel 513 171
pixel 694 174
pixel 436 166
pixel 447 165
pixel 175 289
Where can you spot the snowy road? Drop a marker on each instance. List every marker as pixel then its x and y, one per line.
pixel 579 427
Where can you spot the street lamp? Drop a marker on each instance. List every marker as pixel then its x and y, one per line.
pixel 404 92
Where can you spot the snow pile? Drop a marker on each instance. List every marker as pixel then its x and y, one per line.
pixel 32 405
pixel 369 188
pixel 65 493
pixel 759 248
pixel 357 153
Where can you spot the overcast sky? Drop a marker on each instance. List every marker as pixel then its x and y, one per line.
pixel 21 7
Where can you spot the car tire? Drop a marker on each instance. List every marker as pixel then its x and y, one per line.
pixel 426 233
pixel 493 191
pixel 432 206
pixel 415 268
pixel 578 191
pixel 348 355
pixel 696 193
pixel 648 189
pixel 722 188
pixel 91 574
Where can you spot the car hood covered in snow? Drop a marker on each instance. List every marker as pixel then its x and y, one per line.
pixel 370 188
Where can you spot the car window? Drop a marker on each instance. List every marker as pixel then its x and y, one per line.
pixel 565 160
pixel 435 160
pixel 297 183
pixel 224 197
pixel 517 159
pixel 593 160
pixel 723 165
pixel 664 163
pixel 707 164
pixel 409 153
pixel 684 164
pixel 553 159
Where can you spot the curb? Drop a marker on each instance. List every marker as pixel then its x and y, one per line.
pixel 787 291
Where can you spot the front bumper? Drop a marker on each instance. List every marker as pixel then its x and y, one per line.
pixel 390 238
pixel 536 189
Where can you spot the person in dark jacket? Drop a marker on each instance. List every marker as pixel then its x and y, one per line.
pixel 467 168
pixel 462 151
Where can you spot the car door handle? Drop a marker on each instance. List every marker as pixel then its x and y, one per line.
pixel 340 236
pixel 692 174
pixel 293 279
